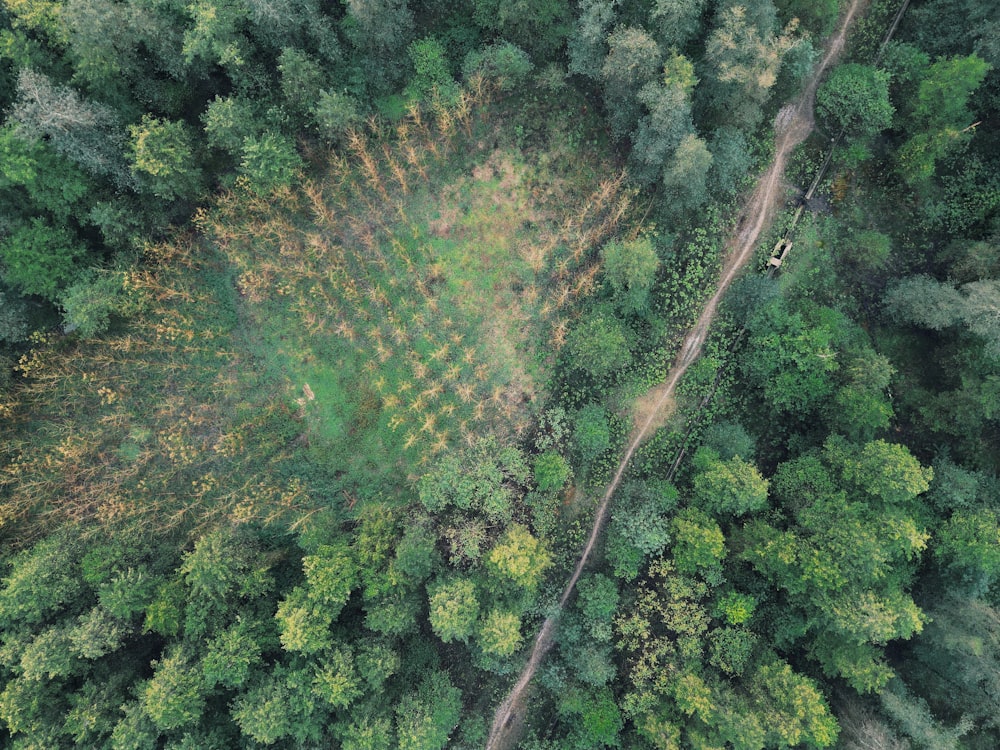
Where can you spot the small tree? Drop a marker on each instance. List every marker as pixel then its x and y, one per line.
pixel 598 346
pixel 163 157
pixel 856 98
pixel 454 608
pixel 500 633
pixel 269 162
pixel 519 558
pixel 39 258
pixel 631 270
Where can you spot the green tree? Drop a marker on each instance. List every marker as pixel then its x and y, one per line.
pixel 551 471
pixel 83 131
pixel 163 158
pixel 667 119
pixel 744 55
pixel 791 359
pixel 727 487
pixel 39 258
pixel 500 633
pixel 855 98
pixel 93 298
pixel 591 433
pixel 795 710
pixel 336 114
pixel 483 478
pixel 50 181
pixel 587 44
pixel 633 60
pixel 630 268
pixel 336 679
pixel 175 696
pixel 699 545
pixel 676 22
pixel 502 62
pixel 938 116
pixel 539 26
pixel 231 656
pixel 269 162
pixel 454 608
pixel 686 174
pixel 431 73
pixel 598 346
pixel 426 718
pixel 520 558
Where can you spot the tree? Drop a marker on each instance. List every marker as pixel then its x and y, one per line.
pixel 520 558
pixel 551 472
pixel 630 268
pixel 846 561
pixel 676 22
pixel 163 158
pixel 686 174
pixel 482 478
pixel 591 433
pixel 431 76
pixel 587 44
pixel 269 162
pixel 454 608
pixel 633 61
pixel 378 28
pixel 640 525
pixel 744 56
pixel 731 160
pixel 175 696
pixel 13 323
pixel 795 711
pixel 426 718
pixel 336 114
pixel 502 62
pixel 727 487
pixel 500 633
pixel 93 298
pixel 598 346
pixel 83 131
pixel 791 360
pixel 302 81
pixel 938 117
pixel 228 121
pixel 42 580
pixel 306 614
pixel 855 98
pixel 231 656
pixel 540 26
pixel 39 258
pixel 50 181
pixel 336 678
pixel 699 545
pixel 597 600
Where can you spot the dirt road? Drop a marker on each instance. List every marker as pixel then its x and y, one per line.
pixel 792 125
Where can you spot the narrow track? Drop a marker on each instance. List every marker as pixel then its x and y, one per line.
pixel 792 125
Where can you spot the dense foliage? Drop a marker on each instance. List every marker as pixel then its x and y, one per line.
pixel 321 327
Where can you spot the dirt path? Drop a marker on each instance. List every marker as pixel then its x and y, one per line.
pixel 792 125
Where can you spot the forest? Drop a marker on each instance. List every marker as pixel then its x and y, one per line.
pixel 333 345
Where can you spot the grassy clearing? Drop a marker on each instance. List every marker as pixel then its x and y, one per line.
pixel 321 344
pixel 167 422
pixel 419 286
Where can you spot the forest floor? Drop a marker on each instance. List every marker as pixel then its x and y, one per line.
pixel 792 126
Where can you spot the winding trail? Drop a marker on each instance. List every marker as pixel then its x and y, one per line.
pixel 792 125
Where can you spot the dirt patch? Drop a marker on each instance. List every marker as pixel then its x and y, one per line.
pixel 654 408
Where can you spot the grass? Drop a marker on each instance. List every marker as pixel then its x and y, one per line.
pixel 320 345
pixel 419 287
